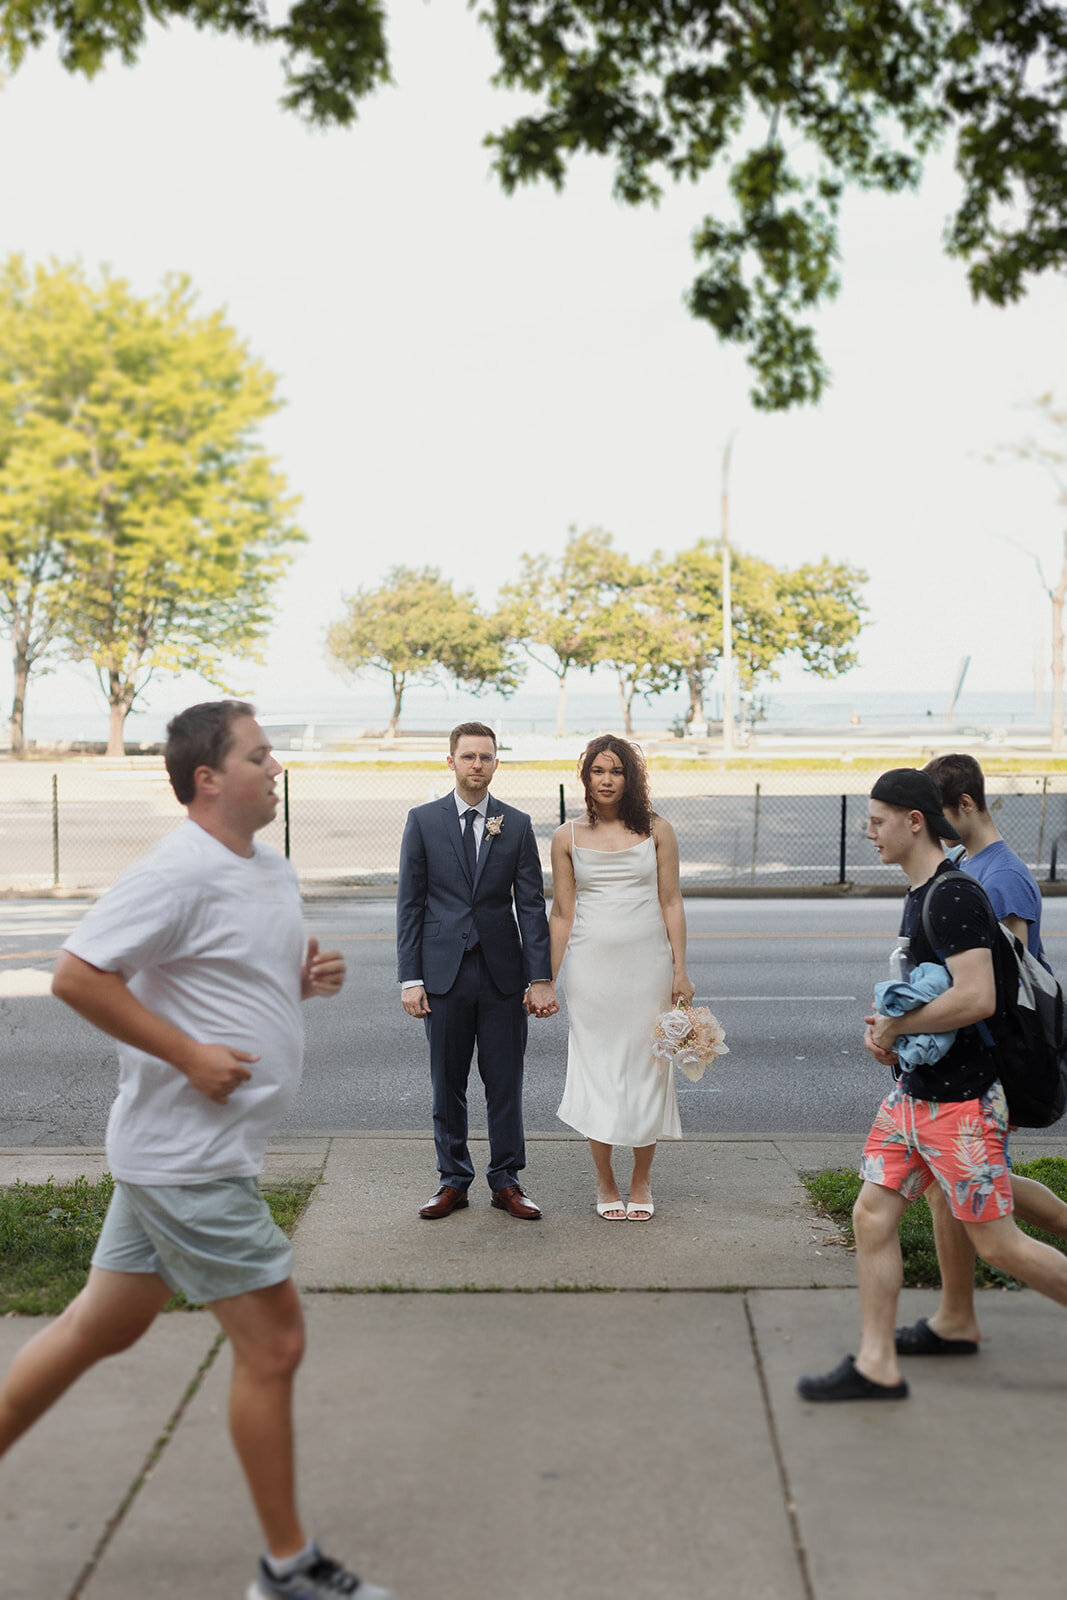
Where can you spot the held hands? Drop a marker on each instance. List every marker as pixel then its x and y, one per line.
pixel 682 988
pixel 879 1036
pixel 415 1002
pixel 541 999
pixel 322 973
pixel 216 1070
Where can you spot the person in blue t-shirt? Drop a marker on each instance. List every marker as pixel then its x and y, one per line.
pixel 1016 899
pixel 1004 876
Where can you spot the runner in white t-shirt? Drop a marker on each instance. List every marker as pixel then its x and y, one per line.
pixel 213 942
pixel 194 961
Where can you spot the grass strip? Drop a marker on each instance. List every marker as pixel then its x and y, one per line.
pixel 834 1192
pixel 48 1232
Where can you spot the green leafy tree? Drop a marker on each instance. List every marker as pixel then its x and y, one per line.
pixel 638 641
pixel 812 612
pixel 142 525
pixel 788 103
pixel 825 606
pixel 555 610
pixel 45 500
pixel 417 629
pixel 689 592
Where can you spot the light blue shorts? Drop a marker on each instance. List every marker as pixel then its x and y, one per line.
pixel 211 1241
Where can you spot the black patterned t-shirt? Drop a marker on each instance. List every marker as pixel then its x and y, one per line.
pixel 961 919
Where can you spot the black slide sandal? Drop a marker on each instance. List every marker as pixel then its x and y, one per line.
pixel 846 1383
pixel 921 1340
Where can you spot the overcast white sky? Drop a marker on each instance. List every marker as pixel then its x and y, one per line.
pixel 467 375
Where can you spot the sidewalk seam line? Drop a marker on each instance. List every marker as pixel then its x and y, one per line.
pixel 776 1447
pixel 354 1290
pixel 155 1453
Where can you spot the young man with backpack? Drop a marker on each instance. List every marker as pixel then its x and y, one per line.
pixel 945 1121
pixel 1016 899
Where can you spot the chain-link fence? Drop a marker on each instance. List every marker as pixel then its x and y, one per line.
pixel 78 825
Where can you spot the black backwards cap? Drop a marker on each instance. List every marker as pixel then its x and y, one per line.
pixel 913 790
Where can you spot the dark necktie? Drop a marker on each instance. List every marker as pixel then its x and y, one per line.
pixel 470 848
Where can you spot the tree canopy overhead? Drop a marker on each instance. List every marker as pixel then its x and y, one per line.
pixel 794 101
pixel 790 101
pixel 334 50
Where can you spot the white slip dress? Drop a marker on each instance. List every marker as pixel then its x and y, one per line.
pixel 617 973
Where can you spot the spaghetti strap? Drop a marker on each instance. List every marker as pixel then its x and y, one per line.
pixel 572 833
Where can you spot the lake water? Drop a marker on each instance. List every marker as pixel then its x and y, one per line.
pixel 823 709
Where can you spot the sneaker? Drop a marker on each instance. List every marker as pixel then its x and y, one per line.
pixel 321 1579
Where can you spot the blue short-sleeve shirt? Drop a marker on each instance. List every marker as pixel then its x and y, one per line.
pixel 1011 886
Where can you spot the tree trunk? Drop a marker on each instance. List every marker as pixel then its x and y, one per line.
pixel 561 705
pixel 394 720
pixel 18 702
pixel 1058 595
pixel 121 695
pixel 626 700
pixel 696 721
pixel 116 745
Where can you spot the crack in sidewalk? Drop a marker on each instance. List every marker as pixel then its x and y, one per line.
pixel 788 1501
pixel 115 1521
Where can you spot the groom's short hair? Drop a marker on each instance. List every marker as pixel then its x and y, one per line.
pixel 477 730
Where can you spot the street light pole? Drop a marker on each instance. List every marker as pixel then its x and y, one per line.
pixel 727 612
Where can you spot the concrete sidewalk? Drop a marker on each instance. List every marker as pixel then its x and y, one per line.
pixel 566 1410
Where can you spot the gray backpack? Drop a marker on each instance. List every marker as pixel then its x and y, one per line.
pixel 1029 1041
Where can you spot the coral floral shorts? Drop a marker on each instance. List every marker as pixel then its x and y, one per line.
pixel 961 1143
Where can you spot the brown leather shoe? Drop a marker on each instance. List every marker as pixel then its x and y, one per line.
pixel 515 1203
pixel 444 1202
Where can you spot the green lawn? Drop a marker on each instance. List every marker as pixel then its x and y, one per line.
pixel 835 1194
pixel 48 1232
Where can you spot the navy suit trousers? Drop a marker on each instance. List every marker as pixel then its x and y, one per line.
pixel 475 1012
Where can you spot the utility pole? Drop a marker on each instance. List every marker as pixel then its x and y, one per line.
pixel 727 612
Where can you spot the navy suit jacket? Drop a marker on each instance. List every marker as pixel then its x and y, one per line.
pixel 439 910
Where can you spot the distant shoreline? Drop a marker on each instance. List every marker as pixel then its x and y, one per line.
pixel 792 715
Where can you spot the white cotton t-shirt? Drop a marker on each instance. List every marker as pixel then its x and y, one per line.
pixel 213 942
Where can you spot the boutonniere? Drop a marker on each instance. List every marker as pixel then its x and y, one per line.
pixel 493 825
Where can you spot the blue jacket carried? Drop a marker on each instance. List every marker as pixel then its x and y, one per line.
pixel 896 996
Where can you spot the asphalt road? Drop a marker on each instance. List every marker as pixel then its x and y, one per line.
pixel 789 980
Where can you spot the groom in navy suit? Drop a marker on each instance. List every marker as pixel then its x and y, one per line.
pixel 473 960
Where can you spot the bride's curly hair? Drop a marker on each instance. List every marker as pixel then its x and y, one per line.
pixel 635 812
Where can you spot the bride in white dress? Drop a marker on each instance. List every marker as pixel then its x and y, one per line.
pixel 617 914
